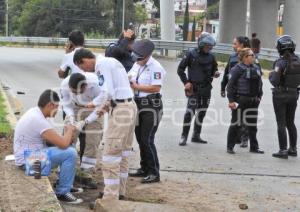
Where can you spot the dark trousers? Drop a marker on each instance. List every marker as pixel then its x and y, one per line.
pixel 245 114
pixel 285 105
pixel 148 121
pixel 198 105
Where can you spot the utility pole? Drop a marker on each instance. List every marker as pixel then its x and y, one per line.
pixel 205 17
pixel 6 17
pixel 123 21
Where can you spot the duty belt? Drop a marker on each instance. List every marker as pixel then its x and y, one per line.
pixel 115 102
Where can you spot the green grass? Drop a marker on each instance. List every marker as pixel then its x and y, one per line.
pixel 4 124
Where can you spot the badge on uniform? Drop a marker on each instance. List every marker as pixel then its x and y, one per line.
pixel 100 78
pixel 157 75
pixel 276 69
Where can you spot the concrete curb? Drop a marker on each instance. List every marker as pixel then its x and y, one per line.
pixel 16 179
pixel 11 118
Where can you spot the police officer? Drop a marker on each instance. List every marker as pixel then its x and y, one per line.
pixel 244 92
pixel 118 137
pixel 146 77
pixel 202 68
pixel 239 42
pixel 286 80
pixel 75 42
pixel 122 49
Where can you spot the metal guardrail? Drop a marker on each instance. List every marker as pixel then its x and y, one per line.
pixel 267 54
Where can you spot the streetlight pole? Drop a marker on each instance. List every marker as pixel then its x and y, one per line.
pixel 123 21
pixel 6 17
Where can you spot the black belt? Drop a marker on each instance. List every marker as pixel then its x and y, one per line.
pixel 123 100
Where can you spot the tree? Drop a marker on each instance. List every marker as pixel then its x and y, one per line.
pixel 194 29
pixel 140 16
pixel 186 21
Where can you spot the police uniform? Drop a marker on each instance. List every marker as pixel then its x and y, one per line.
pixel 233 60
pixel 118 137
pixel 286 78
pixel 150 110
pixel 245 88
pixel 68 65
pixel 201 70
pixel 74 106
pixel 120 52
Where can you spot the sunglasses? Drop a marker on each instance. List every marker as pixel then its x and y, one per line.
pixel 250 55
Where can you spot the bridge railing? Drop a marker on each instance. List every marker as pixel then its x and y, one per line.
pixel 267 54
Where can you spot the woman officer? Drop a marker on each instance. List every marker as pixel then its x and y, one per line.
pixel 146 78
pixel 244 92
pixel 286 80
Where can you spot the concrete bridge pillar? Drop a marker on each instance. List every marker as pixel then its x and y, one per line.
pixel 263 21
pixel 232 19
pixel 291 19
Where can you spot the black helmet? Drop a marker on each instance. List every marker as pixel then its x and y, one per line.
pixel 285 42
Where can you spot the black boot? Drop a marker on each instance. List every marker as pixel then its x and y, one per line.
pixel 281 154
pixel 292 152
pixel 183 140
pixel 196 138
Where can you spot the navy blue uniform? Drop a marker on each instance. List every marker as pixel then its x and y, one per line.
pixel 284 102
pixel 233 60
pixel 245 88
pixel 201 70
pixel 120 52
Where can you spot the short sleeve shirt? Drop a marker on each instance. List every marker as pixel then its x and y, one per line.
pixel 28 133
pixel 150 74
pixel 67 62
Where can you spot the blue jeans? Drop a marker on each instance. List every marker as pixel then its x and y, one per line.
pixel 65 159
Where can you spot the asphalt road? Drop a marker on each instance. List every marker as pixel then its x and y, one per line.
pixel 34 70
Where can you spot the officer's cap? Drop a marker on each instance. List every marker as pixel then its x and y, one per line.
pixel 143 48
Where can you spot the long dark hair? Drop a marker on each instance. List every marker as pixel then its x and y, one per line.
pixel 244 40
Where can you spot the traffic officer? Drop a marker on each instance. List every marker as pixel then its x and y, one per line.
pixel 78 92
pixel 118 137
pixel 239 42
pixel 286 81
pixel 244 92
pixel 75 42
pixel 146 78
pixel 202 68
pixel 122 49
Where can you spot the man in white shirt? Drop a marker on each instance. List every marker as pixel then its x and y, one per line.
pixel 77 92
pixel 75 42
pixel 118 137
pixel 31 132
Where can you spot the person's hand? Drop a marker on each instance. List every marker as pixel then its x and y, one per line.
pixel 133 85
pixel 90 105
pixel 232 105
pixel 79 125
pixel 128 33
pixel 217 74
pixel 70 128
pixel 69 120
pixel 223 94
pixel 188 89
pixel 69 47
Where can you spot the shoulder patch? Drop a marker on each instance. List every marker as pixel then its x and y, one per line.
pixel 100 78
pixel 276 69
pixel 157 75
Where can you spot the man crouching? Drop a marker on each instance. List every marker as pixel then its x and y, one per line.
pixel 31 132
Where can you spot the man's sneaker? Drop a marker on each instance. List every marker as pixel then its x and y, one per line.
pixel 69 198
pixel 75 190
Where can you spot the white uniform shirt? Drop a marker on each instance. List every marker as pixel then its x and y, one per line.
pixel 68 62
pixel 91 94
pixel 150 74
pixel 113 78
pixel 28 133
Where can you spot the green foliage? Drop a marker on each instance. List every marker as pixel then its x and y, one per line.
pixel 140 14
pixel 4 125
pixel 59 17
pixel 186 21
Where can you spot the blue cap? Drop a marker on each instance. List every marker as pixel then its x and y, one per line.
pixel 143 48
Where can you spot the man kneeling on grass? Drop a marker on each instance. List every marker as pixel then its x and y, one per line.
pixel 31 132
